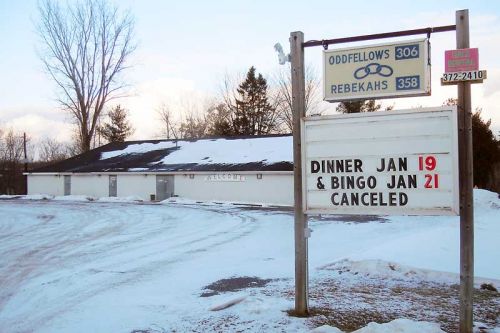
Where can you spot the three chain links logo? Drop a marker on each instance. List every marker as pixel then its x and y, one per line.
pixel 373 69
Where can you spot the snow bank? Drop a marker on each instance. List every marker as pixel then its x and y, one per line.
pixel 395 326
pixel 131 198
pixel 389 270
pixel 326 329
pixel 36 197
pixel 401 326
pixel 393 271
pixel 74 198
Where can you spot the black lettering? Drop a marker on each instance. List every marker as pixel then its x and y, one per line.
pixel 329 166
pixel 355 199
pixel 403 199
pixel 344 201
pixel 392 182
pixel 392 199
pixel 382 165
pixel 348 165
pixel 314 166
pixel 332 198
pixel 350 182
pixel 381 199
pixel 335 182
pixel 339 165
pixel 363 197
pixel 403 164
pixel 391 166
pixel 360 182
pixel 412 181
pixel 357 165
pixel 372 182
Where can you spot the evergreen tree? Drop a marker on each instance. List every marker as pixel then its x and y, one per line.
pixel 118 128
pixel 253 114
pixel 219 121
pixel 360 106
pixel 485 148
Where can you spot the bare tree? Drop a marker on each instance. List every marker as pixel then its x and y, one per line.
pixel 51 150
pixel 169 127
pixel 85 49
pixel 282 95
pixel 11 162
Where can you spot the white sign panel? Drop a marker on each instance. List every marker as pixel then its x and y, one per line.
pixel 387 163
pixel 399 69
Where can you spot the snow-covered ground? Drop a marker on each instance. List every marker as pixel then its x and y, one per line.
pixel 124 266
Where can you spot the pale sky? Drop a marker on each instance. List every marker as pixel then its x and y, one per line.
pixel 186 47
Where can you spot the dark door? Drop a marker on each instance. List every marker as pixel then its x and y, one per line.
pixel 67 185
pixel 112 186
pixel 164 187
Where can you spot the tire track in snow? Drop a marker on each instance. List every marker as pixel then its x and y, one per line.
pixel 75 244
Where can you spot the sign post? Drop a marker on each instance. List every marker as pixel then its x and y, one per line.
pixel 301 228
pixel 365 74
pixel 466 184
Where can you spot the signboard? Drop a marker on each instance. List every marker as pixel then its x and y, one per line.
pixel 462 60
pixel 403 162
pixel 462 65
pixel 379 71
pixel 472 76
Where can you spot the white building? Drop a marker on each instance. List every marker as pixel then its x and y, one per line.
pixel 254 170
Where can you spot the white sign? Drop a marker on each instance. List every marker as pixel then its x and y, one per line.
pixel 472 76
pixel 399 69
pixel 391 162
pixel 225 177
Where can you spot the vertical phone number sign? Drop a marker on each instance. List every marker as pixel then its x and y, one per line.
pixel 380 71
pixel 396 162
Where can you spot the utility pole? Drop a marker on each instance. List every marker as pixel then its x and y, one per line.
pixel 25 178
pixel 301 228
pixel 465 172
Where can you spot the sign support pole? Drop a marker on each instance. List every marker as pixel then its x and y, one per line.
pixel 465 184
pixel 298 110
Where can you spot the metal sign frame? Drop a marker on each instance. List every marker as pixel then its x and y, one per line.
pixel 297 46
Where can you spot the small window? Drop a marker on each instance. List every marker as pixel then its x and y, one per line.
pixel 259 176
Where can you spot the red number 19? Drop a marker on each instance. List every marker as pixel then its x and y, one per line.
pixel 429 163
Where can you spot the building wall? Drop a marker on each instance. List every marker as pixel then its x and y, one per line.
pixel 91 185
pixel 271 189
pixel 46 184
pixel 136 185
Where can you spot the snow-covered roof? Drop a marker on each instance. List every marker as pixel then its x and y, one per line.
pixel 260 153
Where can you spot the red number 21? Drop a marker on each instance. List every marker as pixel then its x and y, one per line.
pixel 431 181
